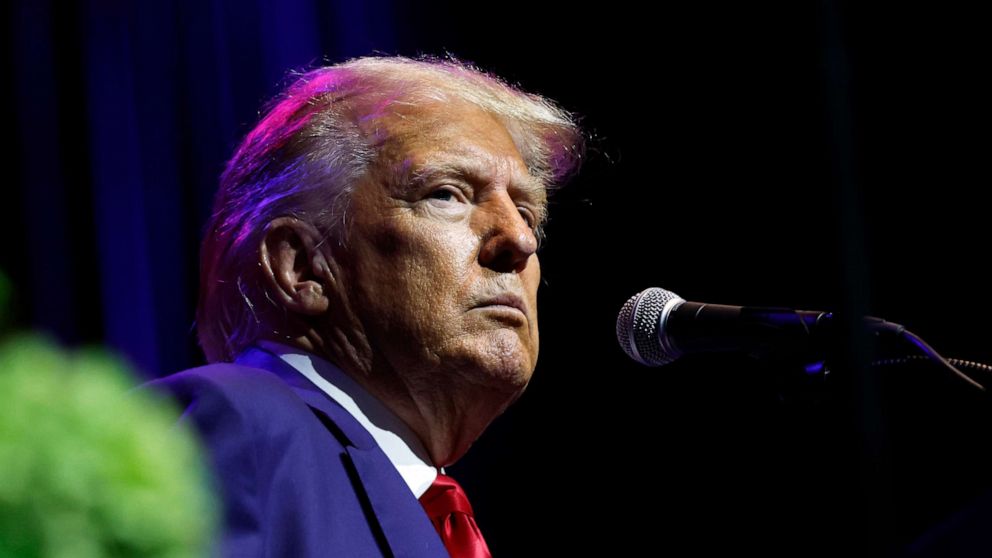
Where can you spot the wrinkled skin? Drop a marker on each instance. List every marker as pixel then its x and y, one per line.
pixel 409 305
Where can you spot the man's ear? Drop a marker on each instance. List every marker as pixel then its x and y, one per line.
pixel 295 272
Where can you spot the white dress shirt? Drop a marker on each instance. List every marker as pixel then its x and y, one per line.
pixel 403 448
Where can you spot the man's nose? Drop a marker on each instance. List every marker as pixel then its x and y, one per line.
pixel 507 239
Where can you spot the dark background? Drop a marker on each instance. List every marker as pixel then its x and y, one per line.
pixel 823 155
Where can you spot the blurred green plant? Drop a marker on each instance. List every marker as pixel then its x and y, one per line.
pixel 91 469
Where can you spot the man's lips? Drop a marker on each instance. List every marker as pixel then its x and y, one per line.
pixel 505 300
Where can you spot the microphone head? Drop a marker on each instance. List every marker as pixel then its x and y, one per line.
pixel 640 323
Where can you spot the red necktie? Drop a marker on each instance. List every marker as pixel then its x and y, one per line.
pixel 451 514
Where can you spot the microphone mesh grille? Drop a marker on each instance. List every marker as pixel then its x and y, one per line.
pixel 638 324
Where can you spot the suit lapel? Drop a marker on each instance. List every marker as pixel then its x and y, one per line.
pixel 405 525
pixel 406 528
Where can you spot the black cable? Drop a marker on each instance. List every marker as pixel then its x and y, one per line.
pixel 931 354
pixel 970 364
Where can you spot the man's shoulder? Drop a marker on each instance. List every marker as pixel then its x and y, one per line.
pixel 252 397
pixel 228 381
pixel 227 377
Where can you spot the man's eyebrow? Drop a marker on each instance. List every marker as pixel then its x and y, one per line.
pixel 475 171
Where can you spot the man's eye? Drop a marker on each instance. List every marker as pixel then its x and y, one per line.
pixel 443 194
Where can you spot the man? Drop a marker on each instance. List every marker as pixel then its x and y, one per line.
pixel 371 270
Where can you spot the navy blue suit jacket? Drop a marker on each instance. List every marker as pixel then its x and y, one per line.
pixel 298 475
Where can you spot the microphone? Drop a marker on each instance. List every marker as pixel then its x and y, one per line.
pixel 656 327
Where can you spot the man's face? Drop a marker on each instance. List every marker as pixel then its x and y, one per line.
pixel 442 271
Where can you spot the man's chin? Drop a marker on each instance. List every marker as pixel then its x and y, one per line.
pixel 504 376
pixel 497 359
pixel 507 360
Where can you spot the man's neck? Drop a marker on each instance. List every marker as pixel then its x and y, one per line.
pixel 445 421
pixel 400 444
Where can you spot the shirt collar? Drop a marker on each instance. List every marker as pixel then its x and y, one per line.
pixel 401 446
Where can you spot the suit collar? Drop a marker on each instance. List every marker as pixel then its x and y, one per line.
pixel 393 436
pixel 404 524
pixel 354 433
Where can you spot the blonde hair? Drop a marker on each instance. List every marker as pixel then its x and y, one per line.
pixel 308 152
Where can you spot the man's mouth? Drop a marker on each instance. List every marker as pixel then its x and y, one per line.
pixel 506 301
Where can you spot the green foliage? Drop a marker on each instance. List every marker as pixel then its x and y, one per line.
pixel 88 469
